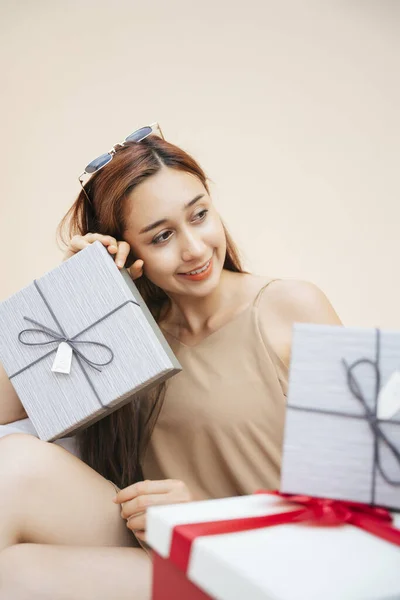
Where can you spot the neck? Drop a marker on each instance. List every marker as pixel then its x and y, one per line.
pixel 193 315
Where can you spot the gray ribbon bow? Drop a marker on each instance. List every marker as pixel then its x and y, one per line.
pixel 62 338
pixel 72 341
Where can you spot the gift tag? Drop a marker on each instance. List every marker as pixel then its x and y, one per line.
pixel 63 359
pixel 389 397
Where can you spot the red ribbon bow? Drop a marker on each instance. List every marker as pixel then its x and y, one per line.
pixel 321 511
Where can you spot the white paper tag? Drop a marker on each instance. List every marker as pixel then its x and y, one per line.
pixel 389 397
pixel 63 359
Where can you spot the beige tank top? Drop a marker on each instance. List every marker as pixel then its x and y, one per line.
pixel 220 428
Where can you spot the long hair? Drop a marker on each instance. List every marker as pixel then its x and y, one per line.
pixel 115 445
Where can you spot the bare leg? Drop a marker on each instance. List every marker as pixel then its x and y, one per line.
pixel 44 572
pixel 48 496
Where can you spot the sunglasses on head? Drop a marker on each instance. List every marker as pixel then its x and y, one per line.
pixel 101 161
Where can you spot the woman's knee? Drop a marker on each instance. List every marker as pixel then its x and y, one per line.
pixel 56 498
pixel 23 457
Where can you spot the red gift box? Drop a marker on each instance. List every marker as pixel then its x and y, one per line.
pixel 173 535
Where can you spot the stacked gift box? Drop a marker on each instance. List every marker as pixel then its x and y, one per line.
pixel 332 532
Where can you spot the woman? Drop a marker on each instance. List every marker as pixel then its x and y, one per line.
pixel 213 430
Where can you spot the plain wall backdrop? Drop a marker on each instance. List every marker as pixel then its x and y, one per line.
pixel 292 108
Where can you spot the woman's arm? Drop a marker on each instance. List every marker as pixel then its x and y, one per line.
pixel 11 408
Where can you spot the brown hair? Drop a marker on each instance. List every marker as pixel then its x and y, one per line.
pixel 115 445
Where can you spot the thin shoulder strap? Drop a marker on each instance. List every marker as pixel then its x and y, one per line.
pixel 258 297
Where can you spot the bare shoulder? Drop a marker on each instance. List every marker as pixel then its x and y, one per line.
pixel 288 301
pixel 302 299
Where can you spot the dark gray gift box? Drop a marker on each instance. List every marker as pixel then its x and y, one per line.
pixel 334 444
pixel 85 299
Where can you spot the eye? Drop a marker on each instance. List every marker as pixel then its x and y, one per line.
pixel 159 239
pixel 205 211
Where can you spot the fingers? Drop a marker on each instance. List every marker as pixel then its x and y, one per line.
pixel 119 250
pixel 141 535
pixel 162 486
pixel 136 270
pixel 79 242
pixel 137 498
pixel 141 504
pixel 137 523
pixel 123 249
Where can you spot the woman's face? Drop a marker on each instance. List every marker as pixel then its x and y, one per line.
pixel 174 228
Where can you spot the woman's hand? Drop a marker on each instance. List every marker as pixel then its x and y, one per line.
pixel 119 250
pixel 136 498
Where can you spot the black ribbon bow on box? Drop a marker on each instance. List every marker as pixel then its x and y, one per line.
pixel 71 341
pixel 370 415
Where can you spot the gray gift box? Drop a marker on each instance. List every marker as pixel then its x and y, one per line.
pixel 117 346
pixel 335 446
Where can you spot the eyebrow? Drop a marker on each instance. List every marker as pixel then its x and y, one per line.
pixel 162 221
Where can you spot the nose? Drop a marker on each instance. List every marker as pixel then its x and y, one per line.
pixel 193 247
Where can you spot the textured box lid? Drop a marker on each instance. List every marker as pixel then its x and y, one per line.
pixel 79 292
pixel 329 446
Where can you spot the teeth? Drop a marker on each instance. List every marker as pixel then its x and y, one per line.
pixel 199 270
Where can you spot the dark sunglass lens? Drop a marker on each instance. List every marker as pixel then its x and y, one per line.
pixel 98 162
pixel 139 135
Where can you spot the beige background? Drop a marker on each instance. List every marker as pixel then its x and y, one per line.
pixel 292 108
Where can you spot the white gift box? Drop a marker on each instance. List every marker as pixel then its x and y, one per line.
pixel 342 426
pixel 281 562
pixel 79 342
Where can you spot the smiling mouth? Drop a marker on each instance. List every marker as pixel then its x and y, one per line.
pixel 198 270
